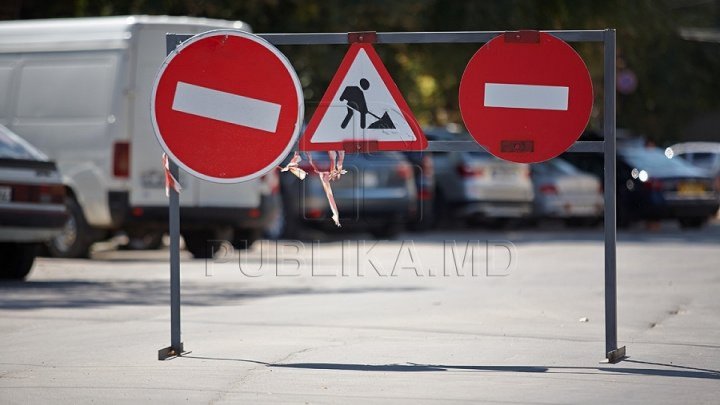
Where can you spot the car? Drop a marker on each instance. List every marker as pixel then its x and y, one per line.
pixel 651 186
pixel 562 191
pixel 377 194
pixel 705 155
pixel 478 186
pixel 32 204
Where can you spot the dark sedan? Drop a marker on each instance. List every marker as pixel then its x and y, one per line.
pixel 652 186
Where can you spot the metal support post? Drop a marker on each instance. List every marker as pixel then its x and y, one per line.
pixel 613 354
pixel 176 346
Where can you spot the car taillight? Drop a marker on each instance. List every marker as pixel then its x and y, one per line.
pixel 425 194
pixel 653 185
pixel 404 170
pixel 52 194
pixel 427 166
pixel 121 159
pixel 548 189
pixel 47 194
pixel 470 171
pixel 314 213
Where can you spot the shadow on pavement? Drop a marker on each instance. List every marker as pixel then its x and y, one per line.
pixel 667 370
pixel 84 294
pixel 668 232
pixel 684 372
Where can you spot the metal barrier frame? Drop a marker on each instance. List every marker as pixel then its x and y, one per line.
pixel 613 354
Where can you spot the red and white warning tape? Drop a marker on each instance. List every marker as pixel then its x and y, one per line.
pixel 170 180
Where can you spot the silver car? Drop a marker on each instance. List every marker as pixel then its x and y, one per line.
pixel 565 192
pixel 478 186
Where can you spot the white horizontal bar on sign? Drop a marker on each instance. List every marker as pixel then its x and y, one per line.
pixel 526 96
pixel 227 107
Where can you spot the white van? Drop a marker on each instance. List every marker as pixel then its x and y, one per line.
pixel 79 89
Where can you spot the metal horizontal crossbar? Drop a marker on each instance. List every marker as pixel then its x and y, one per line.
pixel 472 146
pixel 442 37
pixel 422 37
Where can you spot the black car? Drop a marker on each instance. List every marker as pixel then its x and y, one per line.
pixel 651 186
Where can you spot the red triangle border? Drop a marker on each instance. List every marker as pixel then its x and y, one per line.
pixel 420 142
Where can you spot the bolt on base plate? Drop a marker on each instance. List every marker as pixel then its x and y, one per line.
pixel 171 352
pixel 615 356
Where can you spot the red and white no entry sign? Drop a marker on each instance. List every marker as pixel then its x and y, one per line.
pixel 526 96
pixel 227 106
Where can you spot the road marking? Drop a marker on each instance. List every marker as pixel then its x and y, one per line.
pixel 227 107
pixel 526 96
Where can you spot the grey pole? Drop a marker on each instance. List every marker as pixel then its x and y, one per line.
pixel 175 341
pixel 176 345
pixel 612 353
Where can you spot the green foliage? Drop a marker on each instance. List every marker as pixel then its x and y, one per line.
pixel 677 79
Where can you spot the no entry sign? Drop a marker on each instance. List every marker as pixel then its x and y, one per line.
pixel 526 96
pixel 227 106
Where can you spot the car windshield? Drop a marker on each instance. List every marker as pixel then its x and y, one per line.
pixel 655 162
pixel 14 147
pixel 704 160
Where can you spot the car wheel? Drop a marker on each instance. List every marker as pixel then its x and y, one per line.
pixel 386 231
pixel 425 219
pixel 75 240
pixel 18 259
pixel 581 222
pixel 440 207
pixel 149 241
pixel 196 242
pixel 244 238
pixel 692 223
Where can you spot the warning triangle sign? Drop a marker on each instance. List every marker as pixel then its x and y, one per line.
pixel 363 106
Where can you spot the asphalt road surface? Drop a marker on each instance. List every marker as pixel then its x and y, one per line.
pixel 424 318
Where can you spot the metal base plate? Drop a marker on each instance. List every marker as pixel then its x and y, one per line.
pixel 615 356
pixel 171 352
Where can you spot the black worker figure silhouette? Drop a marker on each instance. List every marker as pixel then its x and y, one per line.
pixel 355 98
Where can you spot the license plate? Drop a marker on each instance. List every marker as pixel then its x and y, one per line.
pixel 691 189
pixel 370 179
pixel 503 171
pixel 5 194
